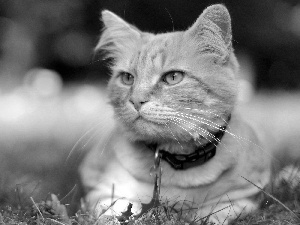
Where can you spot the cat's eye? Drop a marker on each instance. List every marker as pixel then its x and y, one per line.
pixel 127 78
pixel 173 77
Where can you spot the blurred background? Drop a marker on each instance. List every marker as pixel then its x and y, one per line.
pixel 52 86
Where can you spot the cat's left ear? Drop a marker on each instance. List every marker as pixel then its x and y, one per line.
pixel 118 36
pixel 213 27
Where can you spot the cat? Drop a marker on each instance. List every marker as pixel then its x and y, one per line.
pixel 176 92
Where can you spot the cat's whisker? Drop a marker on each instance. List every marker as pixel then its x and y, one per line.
pixel 237 137
pixel 191 125
pixel 207 111
pixel 170 18
pixel 218 116
pixel 104 146
pixel 212 113
pixel 203 111
pixel 215 126
pixel 92 129
pixel 205 132
pixel 200 131
pixel 89 140
pixel 178 124
pixel 208 134
pixel 216 139
pixel 199 119
pixel 167 125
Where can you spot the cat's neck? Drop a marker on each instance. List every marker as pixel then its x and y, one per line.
pixel 176 147
pixel 198 157
pixel 188 147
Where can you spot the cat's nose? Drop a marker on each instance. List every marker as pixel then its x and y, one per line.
pixel 137 103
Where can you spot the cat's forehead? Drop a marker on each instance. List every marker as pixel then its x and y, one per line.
pixel 156 53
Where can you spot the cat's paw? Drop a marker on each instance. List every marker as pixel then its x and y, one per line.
pixel 117 207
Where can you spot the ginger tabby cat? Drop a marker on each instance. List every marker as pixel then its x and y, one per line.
pixel 176 91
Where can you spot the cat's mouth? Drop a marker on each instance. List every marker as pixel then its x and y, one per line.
pixel 144 119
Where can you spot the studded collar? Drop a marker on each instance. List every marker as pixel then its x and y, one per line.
pixel 201 155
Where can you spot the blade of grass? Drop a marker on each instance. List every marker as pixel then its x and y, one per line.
pixel 274 198
pixel 205 217
pixel 55 221
pixel 37 207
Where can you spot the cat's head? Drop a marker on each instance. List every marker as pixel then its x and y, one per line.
pixel 171 86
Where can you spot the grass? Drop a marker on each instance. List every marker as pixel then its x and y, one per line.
pixel 52 211
pixel 25 193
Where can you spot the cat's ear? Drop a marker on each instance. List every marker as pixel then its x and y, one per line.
pixel 117 37
pixel 213 29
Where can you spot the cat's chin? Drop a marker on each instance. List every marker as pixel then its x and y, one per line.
pixel 178 148
pixel 142 130
pixel 147 128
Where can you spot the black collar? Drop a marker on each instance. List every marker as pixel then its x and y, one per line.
pixel 201 155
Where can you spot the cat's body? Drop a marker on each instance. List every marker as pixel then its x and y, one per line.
pixel 120 169
pixel 176 90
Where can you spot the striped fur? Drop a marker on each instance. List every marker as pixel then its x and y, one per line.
pixel 177 117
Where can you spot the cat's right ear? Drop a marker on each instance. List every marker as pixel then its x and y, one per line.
pixel 212 31
pixel 117 37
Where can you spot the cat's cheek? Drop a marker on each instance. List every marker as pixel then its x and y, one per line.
pixel 126 114
pixel 209 102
